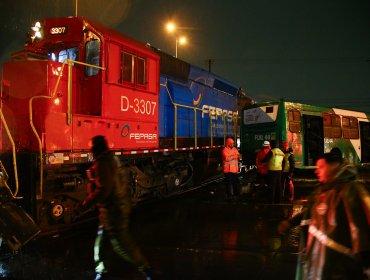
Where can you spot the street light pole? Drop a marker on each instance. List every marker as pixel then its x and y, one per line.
pixel 177 41
pixel 180 40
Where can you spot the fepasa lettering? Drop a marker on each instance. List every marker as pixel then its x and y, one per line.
pixel 143 136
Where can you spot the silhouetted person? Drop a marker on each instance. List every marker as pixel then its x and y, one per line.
pixel 109 190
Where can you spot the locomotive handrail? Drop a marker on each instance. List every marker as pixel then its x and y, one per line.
pixel 210 112
pixel 34 128
pixel 14 195
pixel 70 62
pixel 69 110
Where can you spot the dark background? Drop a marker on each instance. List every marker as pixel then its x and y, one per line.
pixel 309 51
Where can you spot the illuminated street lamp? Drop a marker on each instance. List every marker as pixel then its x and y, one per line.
pixel 170 27
pixel 180 40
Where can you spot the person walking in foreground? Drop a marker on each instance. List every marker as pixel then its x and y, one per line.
pixel 230 160
pixel 337 222
pixel 110 192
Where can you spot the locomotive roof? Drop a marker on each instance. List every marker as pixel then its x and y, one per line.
pixel 105 32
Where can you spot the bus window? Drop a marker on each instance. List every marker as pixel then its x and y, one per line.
pixel 332 126
pixel 269 109
pixel 294 118
pixel 350 127
pixel 92 56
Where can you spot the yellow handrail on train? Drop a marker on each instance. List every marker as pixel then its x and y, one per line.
pixel 13 195
pixel 210 112
pixel 175 116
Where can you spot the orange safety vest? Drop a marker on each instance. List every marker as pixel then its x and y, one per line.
pixel 230 158
pixel 262 166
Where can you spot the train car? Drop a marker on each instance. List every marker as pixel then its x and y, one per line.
pixel 165 119
pixel 309 130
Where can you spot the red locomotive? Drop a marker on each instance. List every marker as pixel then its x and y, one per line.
pixel 164 118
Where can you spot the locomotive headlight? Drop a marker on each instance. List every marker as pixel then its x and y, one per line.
pixel 37 31
pixel 57 101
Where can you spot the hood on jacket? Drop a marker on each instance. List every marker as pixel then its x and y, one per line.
pixel 345 173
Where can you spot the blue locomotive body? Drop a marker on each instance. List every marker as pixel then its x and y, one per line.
pixel 201 106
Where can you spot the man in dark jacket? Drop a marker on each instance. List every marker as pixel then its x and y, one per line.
pixel 337 218
pixel 274 162
pixel 110 192
pixel 286 178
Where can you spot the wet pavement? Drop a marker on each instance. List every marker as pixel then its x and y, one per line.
pixel 197 235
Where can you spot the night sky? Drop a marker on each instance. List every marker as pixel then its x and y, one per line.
pixel 316 51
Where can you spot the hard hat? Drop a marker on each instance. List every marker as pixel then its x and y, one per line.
pixel 266 143
pixel 229 141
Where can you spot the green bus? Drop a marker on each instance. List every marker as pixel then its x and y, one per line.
pixel 309 130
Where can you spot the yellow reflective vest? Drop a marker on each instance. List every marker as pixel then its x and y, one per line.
pixel 286 162
pixel 276 161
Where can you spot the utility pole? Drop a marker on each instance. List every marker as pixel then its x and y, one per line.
pixel 210 62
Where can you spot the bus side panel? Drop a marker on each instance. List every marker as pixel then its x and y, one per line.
pixel 253 138
pixel 365 141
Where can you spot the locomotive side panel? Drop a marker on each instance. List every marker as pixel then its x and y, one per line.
pixel 201 114
pixel 38 81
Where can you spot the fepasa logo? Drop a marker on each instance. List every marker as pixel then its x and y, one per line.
pixel 197 88
pixel 125 130
pixel 143 136
pixel 137 136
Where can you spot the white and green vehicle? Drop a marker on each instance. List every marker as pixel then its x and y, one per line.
pixel 309 130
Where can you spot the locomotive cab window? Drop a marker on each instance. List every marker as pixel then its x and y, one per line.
pixel 127 63
pixel 140 75
pixel 71 53
pixel 294 118
pixel 332 126
pixel 133 69
pixel 92 56
pixel 62 55
pixel 350 127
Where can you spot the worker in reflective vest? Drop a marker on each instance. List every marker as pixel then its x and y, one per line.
pixel 286 179
pixel 230 161
pixel 262 166
pixel 274 160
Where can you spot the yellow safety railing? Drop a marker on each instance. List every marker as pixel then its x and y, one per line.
pixel 210 112
pixel 69 109
pixel 2 168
